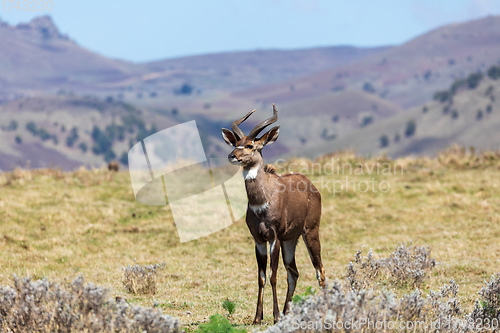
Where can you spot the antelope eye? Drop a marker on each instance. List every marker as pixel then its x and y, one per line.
pixel 250 147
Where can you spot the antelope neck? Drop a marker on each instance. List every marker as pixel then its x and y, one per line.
pixel 255 186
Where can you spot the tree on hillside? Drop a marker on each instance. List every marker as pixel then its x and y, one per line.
pixel 410 129
pixel 384 141
pixel 473 80
pixel 31 127
pixel 494 72
pixel 479 114
pixel 442 96
pixel 368 87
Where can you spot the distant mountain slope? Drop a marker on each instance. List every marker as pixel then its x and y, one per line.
pixel 469 118
pixel 35 57
pixel 408 74
pixel 238 70
pixel 68 131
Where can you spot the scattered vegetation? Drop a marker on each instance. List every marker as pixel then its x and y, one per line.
pixel 479 114
pixel 88 221
pixel 407 265
pixel 384 141
pixel 368 87
pixel 13 125
pixel 141 279
pixel 72 137
pixel 299 298
pixel 218 324
pixel 185 89
pixel 229 306
pixel 43 306
pixel 124 158
pixel 410 129
pixel 374 309
pixel 470 82
pixel 494 72
pixel 42 133
pixel 83 147
pixel 366 120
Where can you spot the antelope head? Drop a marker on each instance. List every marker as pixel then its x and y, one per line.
pixel 248 148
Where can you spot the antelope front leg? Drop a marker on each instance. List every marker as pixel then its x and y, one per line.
pixel 275 257
pixel 261 254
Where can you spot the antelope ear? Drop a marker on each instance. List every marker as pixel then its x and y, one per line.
pixel 269 137
pixel 229 137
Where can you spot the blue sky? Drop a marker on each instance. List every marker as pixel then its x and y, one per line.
pixel 150 30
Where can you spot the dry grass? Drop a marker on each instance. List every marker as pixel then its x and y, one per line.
pixel 58 225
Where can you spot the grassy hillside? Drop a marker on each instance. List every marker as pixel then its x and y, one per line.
pixel 469 116
pixel 407 74
pixel 59 225
pixel 69 131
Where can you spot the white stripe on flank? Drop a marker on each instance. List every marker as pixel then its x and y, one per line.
pixel 259 208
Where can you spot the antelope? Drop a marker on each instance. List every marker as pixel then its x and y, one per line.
pixel 280 210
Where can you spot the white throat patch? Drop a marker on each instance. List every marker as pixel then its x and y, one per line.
pixel 259 208
pixel 251 173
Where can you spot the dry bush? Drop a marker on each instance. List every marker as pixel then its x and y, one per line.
pixel 141 279
pixel 458 157
pixel 407 265
pixel 358 301
pixel 81 176
pixel 374 311
pixel 43 306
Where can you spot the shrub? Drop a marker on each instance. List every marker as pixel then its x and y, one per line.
pixel 18 139
pixel 43 134
pixel 489 108
pixel 488 306
pixel 185 89
pixel 366 120
pixel 410 129
pixel 407 265
pixel 141 279
pixel 83 147
pixel 368 87
pixel 43 306
pixel 479 114
pixel 72 137
pixel 229 306
pixel 494 72
pixel 454 114
pixel 31 127
pixel 298 298
pixel 12 126
pixel 124 158
pixel 474 79
pixel 425 109
pixel 217 324
pixel 442 96
pixel 384 141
